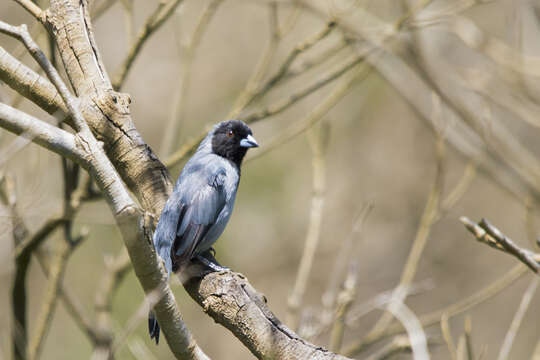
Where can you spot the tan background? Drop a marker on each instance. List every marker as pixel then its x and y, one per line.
pixel 379 151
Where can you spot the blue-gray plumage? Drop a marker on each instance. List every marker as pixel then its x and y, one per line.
pixel 202 200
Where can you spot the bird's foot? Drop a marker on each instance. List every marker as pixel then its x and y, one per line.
pixel 210 264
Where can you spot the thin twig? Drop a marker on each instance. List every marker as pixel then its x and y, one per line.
pixel 19 333
pixel 162 12
pixel 32 9
pixel 283 104
pixel 45 316
pixel 111 280
pixel 72 304
pixel 319 144
pixel 518 318
pixel 344 302
pixel 467 331
pixel 359 73
pixel 184 79
pixel 262 66
pixel 285 66
pixel 328 299
pixel 428 218
pixel 447 336
pixel 490 235
pixel 434 317
pixel 341 90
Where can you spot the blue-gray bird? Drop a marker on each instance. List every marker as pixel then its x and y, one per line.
pixel 202 201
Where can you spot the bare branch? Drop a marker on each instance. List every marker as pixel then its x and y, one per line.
pixel 50 300
pixel 231 301
pixel 344 302
pixel 284 104
pixel 30 84
pixel 434 317
pixel 32 9
pixel 422 235
pixel 490 235
pixel 43 134
pixel 274 37
pixel 162 12
pixel 285 66
pixel 319 145
pixel 187 56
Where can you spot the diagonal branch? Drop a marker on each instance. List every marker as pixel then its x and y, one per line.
pixel 40 132
pixel 162 12
pixel 488 234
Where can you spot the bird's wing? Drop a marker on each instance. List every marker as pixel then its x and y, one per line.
pixel 201 207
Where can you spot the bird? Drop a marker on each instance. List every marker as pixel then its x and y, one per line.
pixel 200 205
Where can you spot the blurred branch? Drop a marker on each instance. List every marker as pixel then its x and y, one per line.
pixel 162 12
pixel 101 8
pixel 72 304
pixel 319 138
pixel 400 344
pixel 422 234
pixel 343 258
pixel 490 235
pixel 32 8
pixel 19 332
pixel 284 104
pixel 43 321
pixel 115 272
pixel 467 332
pixel 344 302
pixel 283 70
pixel 247 94
pixel 186 62
pixel 434 317
pixel 341 90
pixel 518 318
pixel 447 336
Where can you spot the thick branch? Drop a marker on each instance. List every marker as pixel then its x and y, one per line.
pixel 30 84
pixel 107 111
pixel 232 302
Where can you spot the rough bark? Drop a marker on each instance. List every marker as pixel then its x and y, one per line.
pixel 227 297
pixel 231 301
pixel 105 110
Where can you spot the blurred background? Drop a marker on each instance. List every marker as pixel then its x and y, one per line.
pixel 459 72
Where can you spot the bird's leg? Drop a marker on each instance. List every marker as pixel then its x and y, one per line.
pixel 214 266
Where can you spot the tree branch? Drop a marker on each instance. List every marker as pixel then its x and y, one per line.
pixel 488 234
pixel 162 12
pixel 232 302
pixel 43 134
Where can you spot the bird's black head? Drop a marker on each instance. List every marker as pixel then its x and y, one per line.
pixel 231 140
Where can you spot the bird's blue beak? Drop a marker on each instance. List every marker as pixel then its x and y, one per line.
pixel 249 142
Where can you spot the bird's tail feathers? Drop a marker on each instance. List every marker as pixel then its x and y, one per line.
pixel 153 327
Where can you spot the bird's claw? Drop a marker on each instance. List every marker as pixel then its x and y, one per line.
pixel 215 267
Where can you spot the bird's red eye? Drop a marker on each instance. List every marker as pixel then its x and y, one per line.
pixel 230 133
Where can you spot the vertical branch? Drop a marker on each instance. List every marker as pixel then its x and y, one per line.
pixel 115 273
pixel 50 299
pixel 188 54
pixel 19 232
pixel 319 143
pixel 428 218
pixel 262 67
pixel 518 317
pixel 447 336
pixel 468 338
pixel 344 302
